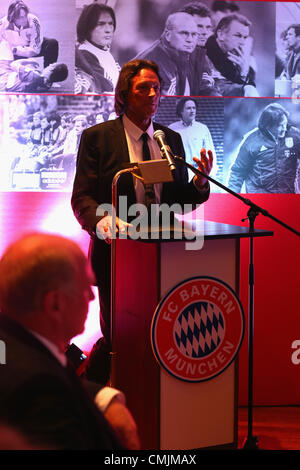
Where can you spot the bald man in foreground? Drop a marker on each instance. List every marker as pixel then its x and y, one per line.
pixel 45 290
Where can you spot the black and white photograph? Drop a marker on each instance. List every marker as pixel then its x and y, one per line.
pixel 242 50
pixel 41 137
pixel 262 145
pixel 287 49
pixel 37 46
pixel 96 70
pixel 200 123
pixel 204 48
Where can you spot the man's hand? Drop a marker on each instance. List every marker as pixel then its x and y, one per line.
pixel 239 59
pixel 242 56
pixel 104 227
pixel 205 165
pixel 208 78
pixel 122 422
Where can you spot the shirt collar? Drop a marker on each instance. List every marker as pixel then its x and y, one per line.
pixel 61 357
pixel 89 46
pixel 187 125
pixel 134 131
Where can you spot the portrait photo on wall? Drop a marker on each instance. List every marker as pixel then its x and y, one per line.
pixel 41 136
pixel 37 46
pixel 262 145
pixel 287 49
pixel 200 122
pixel 208 48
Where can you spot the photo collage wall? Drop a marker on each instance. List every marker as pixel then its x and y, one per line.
pixel 230 83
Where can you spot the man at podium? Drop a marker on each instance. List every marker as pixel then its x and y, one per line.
pixel 103 151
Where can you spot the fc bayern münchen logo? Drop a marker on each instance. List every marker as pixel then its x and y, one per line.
pixel 197 329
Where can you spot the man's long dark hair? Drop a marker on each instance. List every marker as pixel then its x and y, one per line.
pixel 89 17
pixel 14 9
pixel 271 116
pixel 130 70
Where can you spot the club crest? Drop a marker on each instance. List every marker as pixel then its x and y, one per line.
pixel 289 142
pixel 197 329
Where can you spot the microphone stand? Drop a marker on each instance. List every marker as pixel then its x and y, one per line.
pixel 251 442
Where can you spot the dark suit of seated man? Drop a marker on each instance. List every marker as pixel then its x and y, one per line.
pixel 45 290
pixel 230 52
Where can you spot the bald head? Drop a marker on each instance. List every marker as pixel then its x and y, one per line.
pixel 45 285
pixel 181 32
pixel 33 266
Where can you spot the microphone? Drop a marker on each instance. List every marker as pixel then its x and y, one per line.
pixel 166 152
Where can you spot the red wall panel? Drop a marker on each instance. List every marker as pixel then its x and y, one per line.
pixel 277 282
pixel 277 262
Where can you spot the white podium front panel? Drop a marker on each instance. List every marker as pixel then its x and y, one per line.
pixel 196 415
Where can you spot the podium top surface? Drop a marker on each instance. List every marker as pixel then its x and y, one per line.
pixel 194 229
pixel 219 230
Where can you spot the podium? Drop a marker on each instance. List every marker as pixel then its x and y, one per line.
pixel 170 413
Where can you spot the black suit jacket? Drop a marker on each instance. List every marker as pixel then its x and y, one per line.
pixel 44 400
pixel 103 151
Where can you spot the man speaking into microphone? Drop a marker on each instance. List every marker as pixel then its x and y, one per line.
pixel 103 151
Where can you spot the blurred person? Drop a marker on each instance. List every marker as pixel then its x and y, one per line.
pixel 40 152
pixel 195 135
pixel 23 32
pixel 45 290
pixel 103 150
pixel 202 16
pixel 36 129
pixel 73 137
pixel 46 131
pixel 280 56
pixel 99 117
pixel 172 52
pixel 66 120
pixel 221 8
pixel 65 126
pixel 67 159
pixel 268 156
pixel 96 69
pixel 230 52
pixel 25 75
pixel 291 37
pixel 202 76
pixel 55 127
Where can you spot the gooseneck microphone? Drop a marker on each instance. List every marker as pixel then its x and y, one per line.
pixel 166 152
